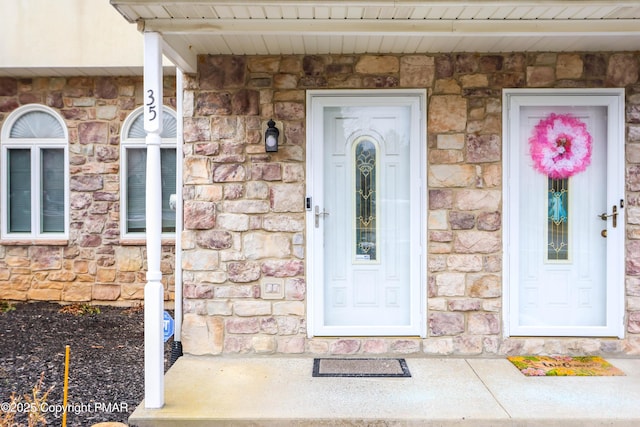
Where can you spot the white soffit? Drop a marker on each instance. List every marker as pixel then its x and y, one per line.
pixel 265 27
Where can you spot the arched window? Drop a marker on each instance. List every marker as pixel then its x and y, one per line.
pixel 35 174
pixel 133 174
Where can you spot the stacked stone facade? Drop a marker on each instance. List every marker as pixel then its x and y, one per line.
pixel 93 265
pixel 244 216
pixel 244 208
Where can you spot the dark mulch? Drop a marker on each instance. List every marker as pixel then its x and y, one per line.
pixel 106 374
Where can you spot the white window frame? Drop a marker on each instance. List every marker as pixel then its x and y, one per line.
pixel 137 143
pixel 35 145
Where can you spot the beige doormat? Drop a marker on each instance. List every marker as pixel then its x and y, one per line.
pixel 562 366
pixel 332 367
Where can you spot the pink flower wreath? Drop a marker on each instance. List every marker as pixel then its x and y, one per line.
pixel 560 146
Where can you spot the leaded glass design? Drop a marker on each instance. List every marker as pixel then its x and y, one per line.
pixel 558 220
pixel 365 200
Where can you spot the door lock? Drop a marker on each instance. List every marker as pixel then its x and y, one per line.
pixel 319 214
pixel 613 215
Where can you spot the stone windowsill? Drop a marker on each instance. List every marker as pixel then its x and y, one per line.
pixel 143 242
pixel 34 242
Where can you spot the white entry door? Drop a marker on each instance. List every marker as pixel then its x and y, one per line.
pixel 365 228
pixel 564 257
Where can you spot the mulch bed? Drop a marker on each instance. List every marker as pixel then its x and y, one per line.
pixel 106 374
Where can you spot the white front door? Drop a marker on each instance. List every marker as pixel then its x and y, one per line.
pixel 365 228
pixel 565 168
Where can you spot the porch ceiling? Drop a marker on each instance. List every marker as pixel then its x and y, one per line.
pixel 269 27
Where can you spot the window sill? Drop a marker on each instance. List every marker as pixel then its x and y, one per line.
pixel 34 242
pixel 143 242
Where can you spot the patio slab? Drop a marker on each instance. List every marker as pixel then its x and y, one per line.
pixel 585 400
pixel 279 391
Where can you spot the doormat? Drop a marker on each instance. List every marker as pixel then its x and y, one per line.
pixel 391 368
pixel 563 366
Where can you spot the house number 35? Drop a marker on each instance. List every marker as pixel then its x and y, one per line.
pixel 152 105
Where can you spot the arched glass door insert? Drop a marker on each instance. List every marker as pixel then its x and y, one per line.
pixel 365 191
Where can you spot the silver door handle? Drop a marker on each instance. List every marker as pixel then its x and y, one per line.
pixel 319 214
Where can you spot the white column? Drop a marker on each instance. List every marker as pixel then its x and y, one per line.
pixel 177 336
pixel 153 290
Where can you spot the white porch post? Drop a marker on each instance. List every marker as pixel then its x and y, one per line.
pixel 177 336
pixel 153 290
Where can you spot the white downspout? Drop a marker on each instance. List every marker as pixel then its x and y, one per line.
pixel 153 290
pixel 176 350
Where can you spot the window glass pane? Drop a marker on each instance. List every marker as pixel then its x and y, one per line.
pixel 136 177
pixel 168 162
pixel 19 197
pixel 136 188
pixel 37 124
pixel 52 197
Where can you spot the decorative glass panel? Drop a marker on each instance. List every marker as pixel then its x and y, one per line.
pixel 52 179
pixel 365 201
pixel 19 197
pixel 558 220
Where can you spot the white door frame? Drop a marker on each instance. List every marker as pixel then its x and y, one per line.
pixel 613 100
pixel 314 255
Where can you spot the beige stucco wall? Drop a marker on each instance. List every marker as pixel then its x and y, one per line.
pixel 44 33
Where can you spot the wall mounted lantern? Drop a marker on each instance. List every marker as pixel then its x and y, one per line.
pixel 271 137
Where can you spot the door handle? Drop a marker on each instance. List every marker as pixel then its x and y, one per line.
pixel 319 214
pixel 613 215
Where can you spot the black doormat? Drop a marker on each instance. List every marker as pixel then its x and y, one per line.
pixel 332 367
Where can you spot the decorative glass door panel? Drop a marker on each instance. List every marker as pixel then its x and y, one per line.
pixel 367 274
pixel 367 229
pixel 365 194
pixel 563 274
pixel 558 220
pixel 563 270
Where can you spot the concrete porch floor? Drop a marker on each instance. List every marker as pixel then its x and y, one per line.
pixel 280 391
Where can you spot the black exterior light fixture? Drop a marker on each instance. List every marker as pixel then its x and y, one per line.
pixel 271 137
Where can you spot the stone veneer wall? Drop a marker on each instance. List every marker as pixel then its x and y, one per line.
pixel 245 218
pixel 93 265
